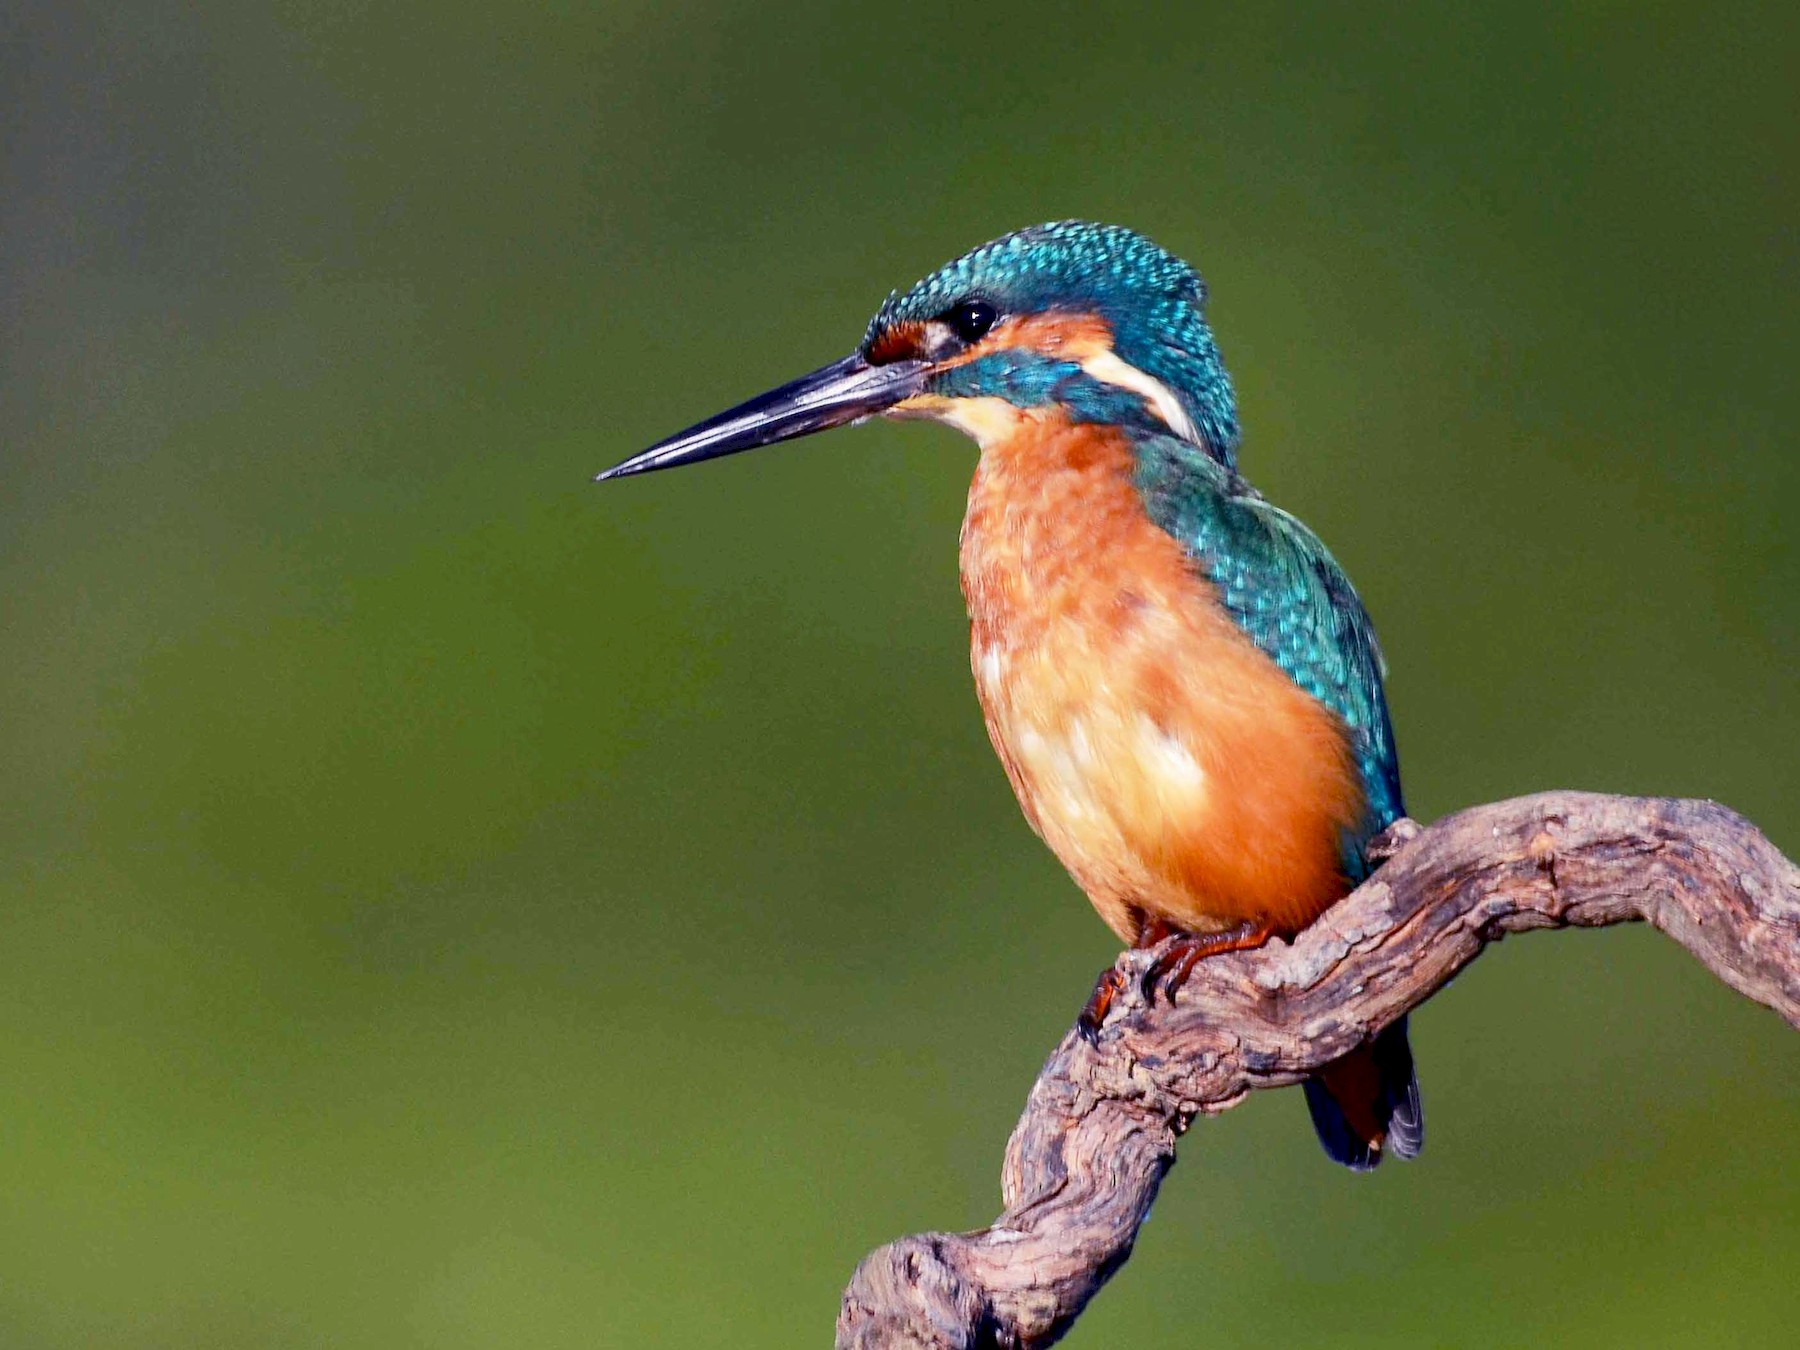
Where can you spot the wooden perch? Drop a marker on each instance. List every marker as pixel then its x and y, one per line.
pixel 1100 1127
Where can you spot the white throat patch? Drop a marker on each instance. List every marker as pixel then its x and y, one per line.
pixel 986 421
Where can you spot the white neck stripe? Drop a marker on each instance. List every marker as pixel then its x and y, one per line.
pixel 1110 368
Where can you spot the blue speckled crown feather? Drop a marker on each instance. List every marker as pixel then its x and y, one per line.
pixel 1154 302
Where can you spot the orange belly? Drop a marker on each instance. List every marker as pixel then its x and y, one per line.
pixel 1173 768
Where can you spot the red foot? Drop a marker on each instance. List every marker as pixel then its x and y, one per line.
pixel 1112 983
pixel 1171 969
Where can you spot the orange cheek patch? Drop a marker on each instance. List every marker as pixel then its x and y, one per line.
pixel 1067 337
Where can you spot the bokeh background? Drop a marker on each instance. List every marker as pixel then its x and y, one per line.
pixel 447 904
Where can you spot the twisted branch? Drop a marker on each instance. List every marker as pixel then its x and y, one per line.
pixel 1100 1127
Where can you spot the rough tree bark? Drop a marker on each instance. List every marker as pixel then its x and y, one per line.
pixel 1100 1127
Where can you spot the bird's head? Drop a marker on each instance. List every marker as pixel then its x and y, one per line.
pixel 1094 322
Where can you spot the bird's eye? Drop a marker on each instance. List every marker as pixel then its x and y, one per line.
pixel 971 319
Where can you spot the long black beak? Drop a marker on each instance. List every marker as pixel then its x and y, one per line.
pixel 844 391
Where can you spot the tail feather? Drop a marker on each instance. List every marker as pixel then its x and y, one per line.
pixel 1368 1103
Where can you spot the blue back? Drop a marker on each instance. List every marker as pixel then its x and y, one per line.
pixel 1285 590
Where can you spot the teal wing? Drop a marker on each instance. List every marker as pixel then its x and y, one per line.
pixel 1283 587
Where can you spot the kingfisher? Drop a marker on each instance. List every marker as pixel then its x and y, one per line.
pixel 1180 681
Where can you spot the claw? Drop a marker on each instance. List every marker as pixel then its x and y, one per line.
pixel 1391 840
pixel 1170 970
pixel 1108 987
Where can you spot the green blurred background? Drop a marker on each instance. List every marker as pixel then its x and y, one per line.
pixel 447 904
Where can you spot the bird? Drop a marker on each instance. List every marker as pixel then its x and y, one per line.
pixel 1183 687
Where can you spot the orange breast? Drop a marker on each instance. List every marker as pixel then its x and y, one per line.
pixel 1172 767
